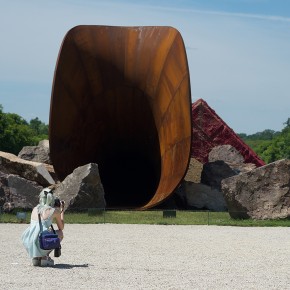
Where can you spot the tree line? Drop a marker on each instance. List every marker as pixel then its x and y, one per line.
pixel 15 133
pixel 270 145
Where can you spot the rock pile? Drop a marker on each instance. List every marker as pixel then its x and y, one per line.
pixel 201 187
pixel 22 179
pixel 225 182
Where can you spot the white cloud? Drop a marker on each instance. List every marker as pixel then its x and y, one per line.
pixel 233 14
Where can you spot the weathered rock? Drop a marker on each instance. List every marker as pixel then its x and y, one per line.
pixel 51 171
pixel 41 154
pixel 18 192
pixel 201 196
pixel 263 193
pixel 34 171
pixel 214 172
pixel 204 197
pixel 193 173
pixel 241 167
pixel 231 156
pixel 226 153
pixel 82 188
pixel 4 189
pixel 44 143
pixel 38 153
pixel 8 207
pixel 192 194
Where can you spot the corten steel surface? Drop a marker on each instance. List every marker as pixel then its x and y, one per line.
pixel 121 99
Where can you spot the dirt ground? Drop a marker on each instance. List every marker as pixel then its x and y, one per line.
pixel 111 256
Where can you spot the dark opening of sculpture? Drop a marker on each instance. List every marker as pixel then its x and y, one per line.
pixel 121 99
pixel 130 161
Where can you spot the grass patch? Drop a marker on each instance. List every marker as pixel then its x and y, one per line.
pixel 96 216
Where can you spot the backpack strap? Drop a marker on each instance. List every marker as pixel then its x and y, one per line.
pixel 40 225
pixel 52 229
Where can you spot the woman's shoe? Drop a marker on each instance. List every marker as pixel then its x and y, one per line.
pixel 36 261
pixel 46 262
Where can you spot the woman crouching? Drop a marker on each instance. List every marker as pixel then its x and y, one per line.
pixel 49 210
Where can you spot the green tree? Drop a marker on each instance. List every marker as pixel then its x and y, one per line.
pixel 40 130
pixel 243 136
pixel 264 135
pixel 39 127
pixel 285 141
pixel 287 123
pixel 276 148
pixel 270 145
pixel 15 132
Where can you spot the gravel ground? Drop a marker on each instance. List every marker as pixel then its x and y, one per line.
pixel 111 256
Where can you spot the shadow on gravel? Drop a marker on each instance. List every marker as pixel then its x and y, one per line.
pixel 70 266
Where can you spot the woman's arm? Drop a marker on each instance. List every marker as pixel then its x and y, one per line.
pixel 59 217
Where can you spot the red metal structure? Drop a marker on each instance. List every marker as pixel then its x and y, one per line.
pixel 209 130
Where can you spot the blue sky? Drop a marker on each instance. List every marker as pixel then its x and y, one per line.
pixel 238 52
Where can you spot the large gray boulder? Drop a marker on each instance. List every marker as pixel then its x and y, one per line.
pixel 33 171
pixel 201 197
pixel 82 189
pixel 214 172
pixel 227 153
pixel 232 157
pixel 38 153
pixel 201 187
pixel 263 193
pixel 18 192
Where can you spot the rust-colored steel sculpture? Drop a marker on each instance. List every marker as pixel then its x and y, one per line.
pixel 121 99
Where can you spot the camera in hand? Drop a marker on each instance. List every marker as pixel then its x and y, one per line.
pixel 57 202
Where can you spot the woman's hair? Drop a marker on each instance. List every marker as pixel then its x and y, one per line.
pixel 46 199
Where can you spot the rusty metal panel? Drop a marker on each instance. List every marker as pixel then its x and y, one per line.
pixel 121 99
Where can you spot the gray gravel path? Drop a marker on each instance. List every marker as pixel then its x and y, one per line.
pixel 111 256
